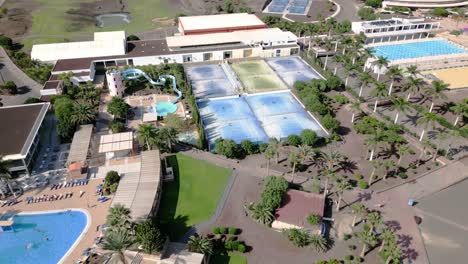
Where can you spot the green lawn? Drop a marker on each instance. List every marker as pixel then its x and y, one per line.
pixel 51 23
pixel 228 259
pixel 193 196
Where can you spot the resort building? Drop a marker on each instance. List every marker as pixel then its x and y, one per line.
pixel 395 29
pixel 231 38
pixel 20 135
pixel 424 3
pixel 193 25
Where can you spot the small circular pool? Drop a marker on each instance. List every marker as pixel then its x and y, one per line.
pixel 164 108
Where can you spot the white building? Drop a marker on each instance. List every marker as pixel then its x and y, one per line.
pixel 395 29
pixel 425 3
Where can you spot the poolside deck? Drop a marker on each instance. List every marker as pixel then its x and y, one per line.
pixel 88 202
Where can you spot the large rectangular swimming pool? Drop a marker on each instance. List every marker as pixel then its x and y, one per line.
pixel 417 49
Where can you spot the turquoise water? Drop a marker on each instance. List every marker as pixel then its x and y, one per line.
pixel 41 238
pixel 416 49
pixel 164 108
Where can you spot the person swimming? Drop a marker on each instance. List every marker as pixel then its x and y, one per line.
pixel 29 246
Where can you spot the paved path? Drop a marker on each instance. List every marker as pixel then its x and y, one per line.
pixel 348 10
pixel 10 72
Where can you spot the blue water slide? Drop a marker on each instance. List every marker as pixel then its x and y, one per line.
pixel 133 74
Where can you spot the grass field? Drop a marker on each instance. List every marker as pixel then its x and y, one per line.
pixel 228 259
pixel 51 23
pixel 193 196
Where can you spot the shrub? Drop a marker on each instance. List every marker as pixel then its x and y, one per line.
pixel 227 148
pixel 309 137
pixel 313 219
pixel 402 175
pixel 149 236
pixel 248 147
pixel 32 100
pixel 132 38
pixel 358 176
pixel 363 184
pixel 272 194
pixel 330 123
pixel 113 188
pixel 232 230
pixel 347 237
pixel 341 99
pixel 6 42
pixel 298 237
pixel 216 230
pixel 262 147
pixel 374 3
pixel 10 87
pixel 293 140
pixel 222 230
pixel 116 126
pixel 439 11
pixel 112 177
pixel 118 107
pixel 366 13
pixel 241 248
pixel 349 257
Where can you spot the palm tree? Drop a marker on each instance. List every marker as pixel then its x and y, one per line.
pixel 294 158
pixel 5 175
pixel 200 244
pixel 262 214
pixel 365 78
pixel 146 135
pixel 394 73
pixel 275 145
pixel 374 220
pixel 83 114
pixel 376 164
pixel 386 236
pixel 401 151
pixel 328 48
pixel 118 240
pixel 269 154
pixel 413 71
pixel 306 152
pixel 329 175
pixel 459 109
pixel 399 105
pixel 387 164
pixel 350 70
pixel 341 186
pixel 359 210
pixel 373 141
pixel 318 242
pixel 394 252
pixel 436 91
pixel 331 159
pixel 168 135
pixel 413 85
pixel 381 62
pixel 66 78
pixel 427 120
pixel 379 92
pixel 355 108
pixel 368 239
pixel 119 216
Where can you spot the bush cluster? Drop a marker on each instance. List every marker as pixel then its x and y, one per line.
pixel 111 182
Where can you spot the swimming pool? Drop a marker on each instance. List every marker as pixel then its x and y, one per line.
pixel 164 108
pixel 416 49
pixel 41 238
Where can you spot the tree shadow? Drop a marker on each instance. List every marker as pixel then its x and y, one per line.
pixel 393 225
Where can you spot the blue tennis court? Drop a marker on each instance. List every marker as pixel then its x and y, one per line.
pixel 292 69
pixel 416 49
pixel 209 81
pixel 298 7
pixel 277 6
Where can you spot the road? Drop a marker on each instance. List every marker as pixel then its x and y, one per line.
pixel 10 72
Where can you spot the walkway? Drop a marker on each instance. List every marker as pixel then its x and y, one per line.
pixel 10 72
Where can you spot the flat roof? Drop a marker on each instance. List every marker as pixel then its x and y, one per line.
pixel 222 21
pixel 138 190
pixel 244 36
pixel 20 124
pixel 80 144
pixel 116 142
pixel 297 205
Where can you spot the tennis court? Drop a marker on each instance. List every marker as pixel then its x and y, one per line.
pixel 257 76
pixel 293 69
pixel 209 81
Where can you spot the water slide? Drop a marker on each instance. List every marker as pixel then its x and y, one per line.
pixel 133 74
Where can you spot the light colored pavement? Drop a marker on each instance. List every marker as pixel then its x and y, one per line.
pixel 10 72
pixel 348 10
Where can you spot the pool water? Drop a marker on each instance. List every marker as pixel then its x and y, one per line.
pixel 416 49
pixel 114 19
pixel 41 238
pixel 164 108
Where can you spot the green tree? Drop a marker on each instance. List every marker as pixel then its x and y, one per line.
pixel 269 154
pixel 393 252
pixel 118 240
pixel 330 123
pixel 275 145
pixel 399 105
pixel 375 220
pixel 10 87
pixel 6 42
pixel 146 134
pixel 227 147
pixel 365 79
pixel 387 164
pixel 168 135
pixel 293 140
pixel 118 108
pixel 413 85
pixel 299 237
pixel 368 239
pixel 200 244
pixel 309 137
pixel 460 110
pixel 248 147
pixel 342 186
pixel 376 164
pixel 373 142
pixel 116 126
pixel 359 210
pixel 381 64
pixel 374 3
pixel 32 100
pixel 149 236
pixel 119 216
pixel 318 242
pixel 176 122
pixel 394 73
pixel 63 107
pixel 440 12
pixel 5 175
pixel 355 108
pixel 386 236
pixel 401 151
